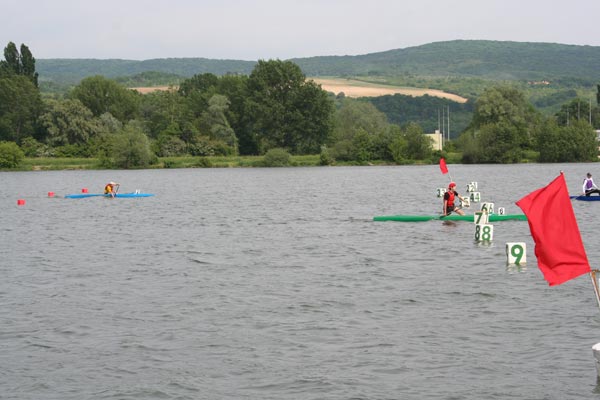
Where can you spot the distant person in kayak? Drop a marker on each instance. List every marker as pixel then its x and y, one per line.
pixel 589 187
pixel 449 197
pixel 111 188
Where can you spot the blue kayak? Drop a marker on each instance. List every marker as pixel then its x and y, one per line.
pixel 118 195
pixel 593 197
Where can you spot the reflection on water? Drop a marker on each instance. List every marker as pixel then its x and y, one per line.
pixel 277 284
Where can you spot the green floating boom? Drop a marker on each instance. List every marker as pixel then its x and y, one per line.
pixel 451 217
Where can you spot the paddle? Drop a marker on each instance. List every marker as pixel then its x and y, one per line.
pixel 114 192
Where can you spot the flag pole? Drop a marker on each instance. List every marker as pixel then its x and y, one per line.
pixel 595 285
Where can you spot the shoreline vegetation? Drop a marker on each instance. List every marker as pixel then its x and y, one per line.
pixel 68 163
pixel 285 120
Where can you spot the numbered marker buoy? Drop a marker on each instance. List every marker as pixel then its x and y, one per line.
pixel 501 211
pixel 474 185
pixel 470 188
pixel 484 233
pixel 440 192
pixel 596 351
pixel 481 218
pixel 465 202
pixel 516 253
pixel 489 207
pixel 475 197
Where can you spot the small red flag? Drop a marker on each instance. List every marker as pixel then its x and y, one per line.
pixel 443 166
pixel 558 245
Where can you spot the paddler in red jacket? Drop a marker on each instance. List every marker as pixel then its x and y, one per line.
pixel 449 197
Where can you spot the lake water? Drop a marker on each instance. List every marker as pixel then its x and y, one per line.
pixel 277 284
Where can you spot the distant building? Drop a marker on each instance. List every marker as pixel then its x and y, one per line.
pixel 544 82
pixel 438 140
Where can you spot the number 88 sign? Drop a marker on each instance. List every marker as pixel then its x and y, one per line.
pixel 484 233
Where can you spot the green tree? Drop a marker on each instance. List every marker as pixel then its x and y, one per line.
pixel 161 109
pixel 504 124
pixel 419 146
pixel 214 121
pixel 383 147
pixel 354 116
pixel 169 142
pixel 127 149
pixel 399 149
pixel 504 104
pixel 22 63
pixel 10 155
pixel 285 110
pixel 362 146
pixel 276 157
pixel 499 143
pixel 197 91
pixel 358 128
pixel 573 143
pixel 103 95
pixel 20 105
pixel 69 122
pixel 11 62
pixel 235 88
pixel 33 148
pixel 28 65
pixel 201 83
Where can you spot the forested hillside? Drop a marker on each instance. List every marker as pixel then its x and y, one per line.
pixel 70 71
pixel 493 60
pixel 468 58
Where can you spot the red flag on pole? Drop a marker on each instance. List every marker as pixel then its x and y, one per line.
pixel 558 245
pixel 443 166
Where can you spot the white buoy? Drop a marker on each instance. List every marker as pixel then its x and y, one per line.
pixel 466 202
pixel 475 197
pixel 440 192
pixel 484 233
pixel 501 211
pixel 516 253
pixel 470 188
pixel 596 350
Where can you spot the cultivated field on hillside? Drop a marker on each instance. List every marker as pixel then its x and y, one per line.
pixel 355 88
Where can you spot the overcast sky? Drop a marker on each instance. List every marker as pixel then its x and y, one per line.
pixel 282 29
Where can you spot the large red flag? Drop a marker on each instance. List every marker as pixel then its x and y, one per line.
pixel 558 245
pixel 443 166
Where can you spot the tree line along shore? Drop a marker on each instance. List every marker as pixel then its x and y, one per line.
pixel 274 116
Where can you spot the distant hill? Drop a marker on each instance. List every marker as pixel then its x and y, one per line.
pixel 468 58
pixel 65 70
pixel 495 60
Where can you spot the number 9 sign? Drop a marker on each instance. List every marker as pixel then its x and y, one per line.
pixel 516 253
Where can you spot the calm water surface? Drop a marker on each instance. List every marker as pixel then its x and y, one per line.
pixel 277 284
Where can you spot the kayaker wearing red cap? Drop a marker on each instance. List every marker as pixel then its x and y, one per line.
pixel 111 188
pixel 449 197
